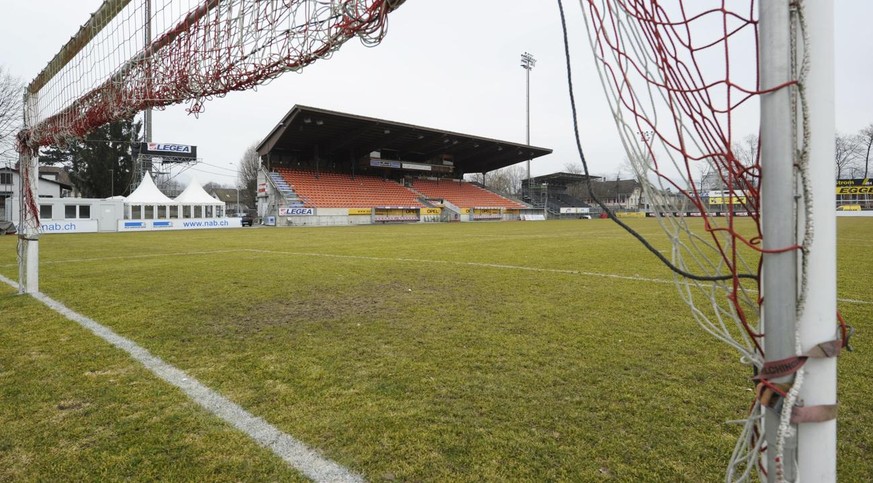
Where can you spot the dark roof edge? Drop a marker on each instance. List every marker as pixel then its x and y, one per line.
pixel 267 144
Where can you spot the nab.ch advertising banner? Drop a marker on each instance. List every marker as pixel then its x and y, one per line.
pixel 178 224
pixel 68 226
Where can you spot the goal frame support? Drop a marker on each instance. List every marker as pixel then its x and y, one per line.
pixel 809 448
pixel 817 442
pixel 28 212
pixel 778 221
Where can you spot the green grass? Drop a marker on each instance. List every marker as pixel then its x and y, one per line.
pixel 402 352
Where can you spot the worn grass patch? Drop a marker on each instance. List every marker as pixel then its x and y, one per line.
pixel 495 351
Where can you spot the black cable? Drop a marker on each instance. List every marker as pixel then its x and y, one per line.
pixel 609 213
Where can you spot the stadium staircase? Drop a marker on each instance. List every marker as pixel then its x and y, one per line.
pixel 450 212
pixel 282 186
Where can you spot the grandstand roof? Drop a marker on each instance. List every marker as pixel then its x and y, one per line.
pixel 303 128
pixel 562 178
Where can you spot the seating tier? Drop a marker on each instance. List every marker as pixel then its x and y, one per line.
pixel 335 190
pixel 463 194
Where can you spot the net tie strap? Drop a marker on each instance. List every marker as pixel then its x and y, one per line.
pixel 790 365
pixel 772 395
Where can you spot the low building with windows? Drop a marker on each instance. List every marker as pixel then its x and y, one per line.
pixel 10 186
pixel 146 209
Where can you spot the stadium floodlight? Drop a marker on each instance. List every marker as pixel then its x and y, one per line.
pixel 527 63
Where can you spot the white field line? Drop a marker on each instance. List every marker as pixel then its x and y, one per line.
pixel 294 452
pixel 470 264
pixel 126 257
pixel 635 278
pixel 500 266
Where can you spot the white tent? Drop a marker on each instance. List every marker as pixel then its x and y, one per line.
pixel 195 202
pixel 147 202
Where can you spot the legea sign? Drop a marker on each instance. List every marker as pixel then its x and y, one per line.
pixel 296 211
pixel 170 150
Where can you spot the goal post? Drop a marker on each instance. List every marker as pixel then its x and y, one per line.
pixel 817 441
pixel 779 285
pixel 28 211
pixel 758 271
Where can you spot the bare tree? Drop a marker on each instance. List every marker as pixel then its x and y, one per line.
pixel 508 180
pixel 208 187
pixel 846 153
pixel 746 151
pixel 247 177
pixel 865 141
pixel 170 186
pixel 710 180
pixel 574 168
pixel 11 116
pixel 477 178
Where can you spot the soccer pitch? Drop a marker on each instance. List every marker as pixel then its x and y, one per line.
pixel 463 352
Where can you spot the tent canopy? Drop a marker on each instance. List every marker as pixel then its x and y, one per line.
pixel 148 194
pixel 194 194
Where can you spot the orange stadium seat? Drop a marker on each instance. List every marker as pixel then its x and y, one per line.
pixel 335 190
pixel 463 194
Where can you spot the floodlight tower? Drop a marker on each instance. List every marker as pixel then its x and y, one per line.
pixel 147 39
pixel 527 63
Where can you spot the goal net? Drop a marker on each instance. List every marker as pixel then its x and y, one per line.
pixel 134 55
pixel 687 83
pixel 139 54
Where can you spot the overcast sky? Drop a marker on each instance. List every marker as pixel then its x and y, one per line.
pixel 445 64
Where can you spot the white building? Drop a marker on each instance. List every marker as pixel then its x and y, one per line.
pixel 10 183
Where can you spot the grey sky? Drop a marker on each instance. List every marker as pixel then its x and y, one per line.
pixel 447 64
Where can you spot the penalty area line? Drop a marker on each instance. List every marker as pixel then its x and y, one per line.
pixel 634 278
pixel 301 457
pixel 501 266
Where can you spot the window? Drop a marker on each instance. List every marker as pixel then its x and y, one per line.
pixel 5 178
pixel 70 211
pixel 45 212
pixel 85 211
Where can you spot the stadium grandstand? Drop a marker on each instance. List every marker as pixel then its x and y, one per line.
pixel 321 167
pixel 561 195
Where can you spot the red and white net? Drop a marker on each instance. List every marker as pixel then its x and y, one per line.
pixel 682 81
pixel 198 49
